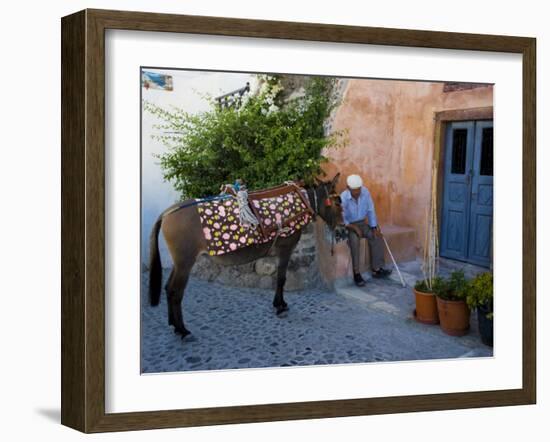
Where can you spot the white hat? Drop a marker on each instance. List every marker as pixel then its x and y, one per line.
pixel 354 181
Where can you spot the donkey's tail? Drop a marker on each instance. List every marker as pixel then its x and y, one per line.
pixel 155 265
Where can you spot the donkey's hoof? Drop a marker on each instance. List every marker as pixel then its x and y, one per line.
pixel 281 309
pixel 189 338
pixel 182 331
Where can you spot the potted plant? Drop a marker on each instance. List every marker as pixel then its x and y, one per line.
pixel 426 305
pixel 454 314
pixel 480 297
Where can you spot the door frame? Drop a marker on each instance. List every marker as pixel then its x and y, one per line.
pixel 442 119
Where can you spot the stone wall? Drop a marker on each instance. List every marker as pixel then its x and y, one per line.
pixel 302 273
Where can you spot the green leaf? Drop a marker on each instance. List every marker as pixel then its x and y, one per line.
pixel 263 148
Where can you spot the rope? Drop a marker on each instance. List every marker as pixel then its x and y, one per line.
pixel 280 229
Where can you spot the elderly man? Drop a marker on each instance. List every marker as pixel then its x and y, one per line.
pixel 360 219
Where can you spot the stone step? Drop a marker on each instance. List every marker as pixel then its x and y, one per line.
pixel 401 240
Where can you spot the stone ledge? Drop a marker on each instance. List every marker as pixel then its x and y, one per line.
pixel 401 240
pixel 302 273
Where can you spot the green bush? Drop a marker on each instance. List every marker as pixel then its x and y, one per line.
pixel 480 292
pixel 422 286
pixel 441 287
pixel 454 288
pixel 458 285
pixel 263 142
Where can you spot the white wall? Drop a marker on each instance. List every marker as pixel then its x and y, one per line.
pixel 189 92
pixel 30 220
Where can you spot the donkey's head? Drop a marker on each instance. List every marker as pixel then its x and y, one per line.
pixel 326 202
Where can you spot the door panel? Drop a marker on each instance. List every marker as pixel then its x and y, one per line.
pixel 456 192
pixel 455 232
pixel 481 208
pixel 467 213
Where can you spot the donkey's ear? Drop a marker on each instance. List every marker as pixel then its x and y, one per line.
pixel 335 180
pixel 317 181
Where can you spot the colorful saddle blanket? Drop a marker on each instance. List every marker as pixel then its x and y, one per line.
pixel 280 211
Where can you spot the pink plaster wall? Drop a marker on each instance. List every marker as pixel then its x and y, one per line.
pixel 391 143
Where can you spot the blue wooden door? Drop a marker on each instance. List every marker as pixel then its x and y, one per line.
pixel 481 205
pixel 467 215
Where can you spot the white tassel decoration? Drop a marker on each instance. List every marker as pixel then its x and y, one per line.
pixel 246 217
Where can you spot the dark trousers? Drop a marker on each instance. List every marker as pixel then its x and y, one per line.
pixel 376 247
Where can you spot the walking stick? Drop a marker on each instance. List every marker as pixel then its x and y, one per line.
pixel 394 263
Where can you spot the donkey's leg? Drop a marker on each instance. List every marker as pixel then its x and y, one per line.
pixel 185 240
pixel 167 288
pixel 284 257
pixel 175 292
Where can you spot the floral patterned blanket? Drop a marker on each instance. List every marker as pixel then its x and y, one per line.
pixel 281 212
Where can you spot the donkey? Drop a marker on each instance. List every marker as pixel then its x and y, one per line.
pixel 184 237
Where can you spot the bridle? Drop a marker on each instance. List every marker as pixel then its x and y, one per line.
pixel 313 200
pixel 329 199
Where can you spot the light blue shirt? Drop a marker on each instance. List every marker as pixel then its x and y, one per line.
pixel 358 209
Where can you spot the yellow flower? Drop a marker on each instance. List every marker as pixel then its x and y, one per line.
pixel 211 253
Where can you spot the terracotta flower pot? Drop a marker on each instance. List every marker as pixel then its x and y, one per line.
pixel 426 308
pixel 454 317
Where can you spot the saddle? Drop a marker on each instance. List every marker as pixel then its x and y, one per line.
pixel 260 199
pixel 281 211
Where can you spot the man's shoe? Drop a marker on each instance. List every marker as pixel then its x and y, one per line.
pixel 381 273
pixel 358 279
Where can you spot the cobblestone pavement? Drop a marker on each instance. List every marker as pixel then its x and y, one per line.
pixel 237 328
pixel 389 296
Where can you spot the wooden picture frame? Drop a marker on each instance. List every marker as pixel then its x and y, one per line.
pixel 83 220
